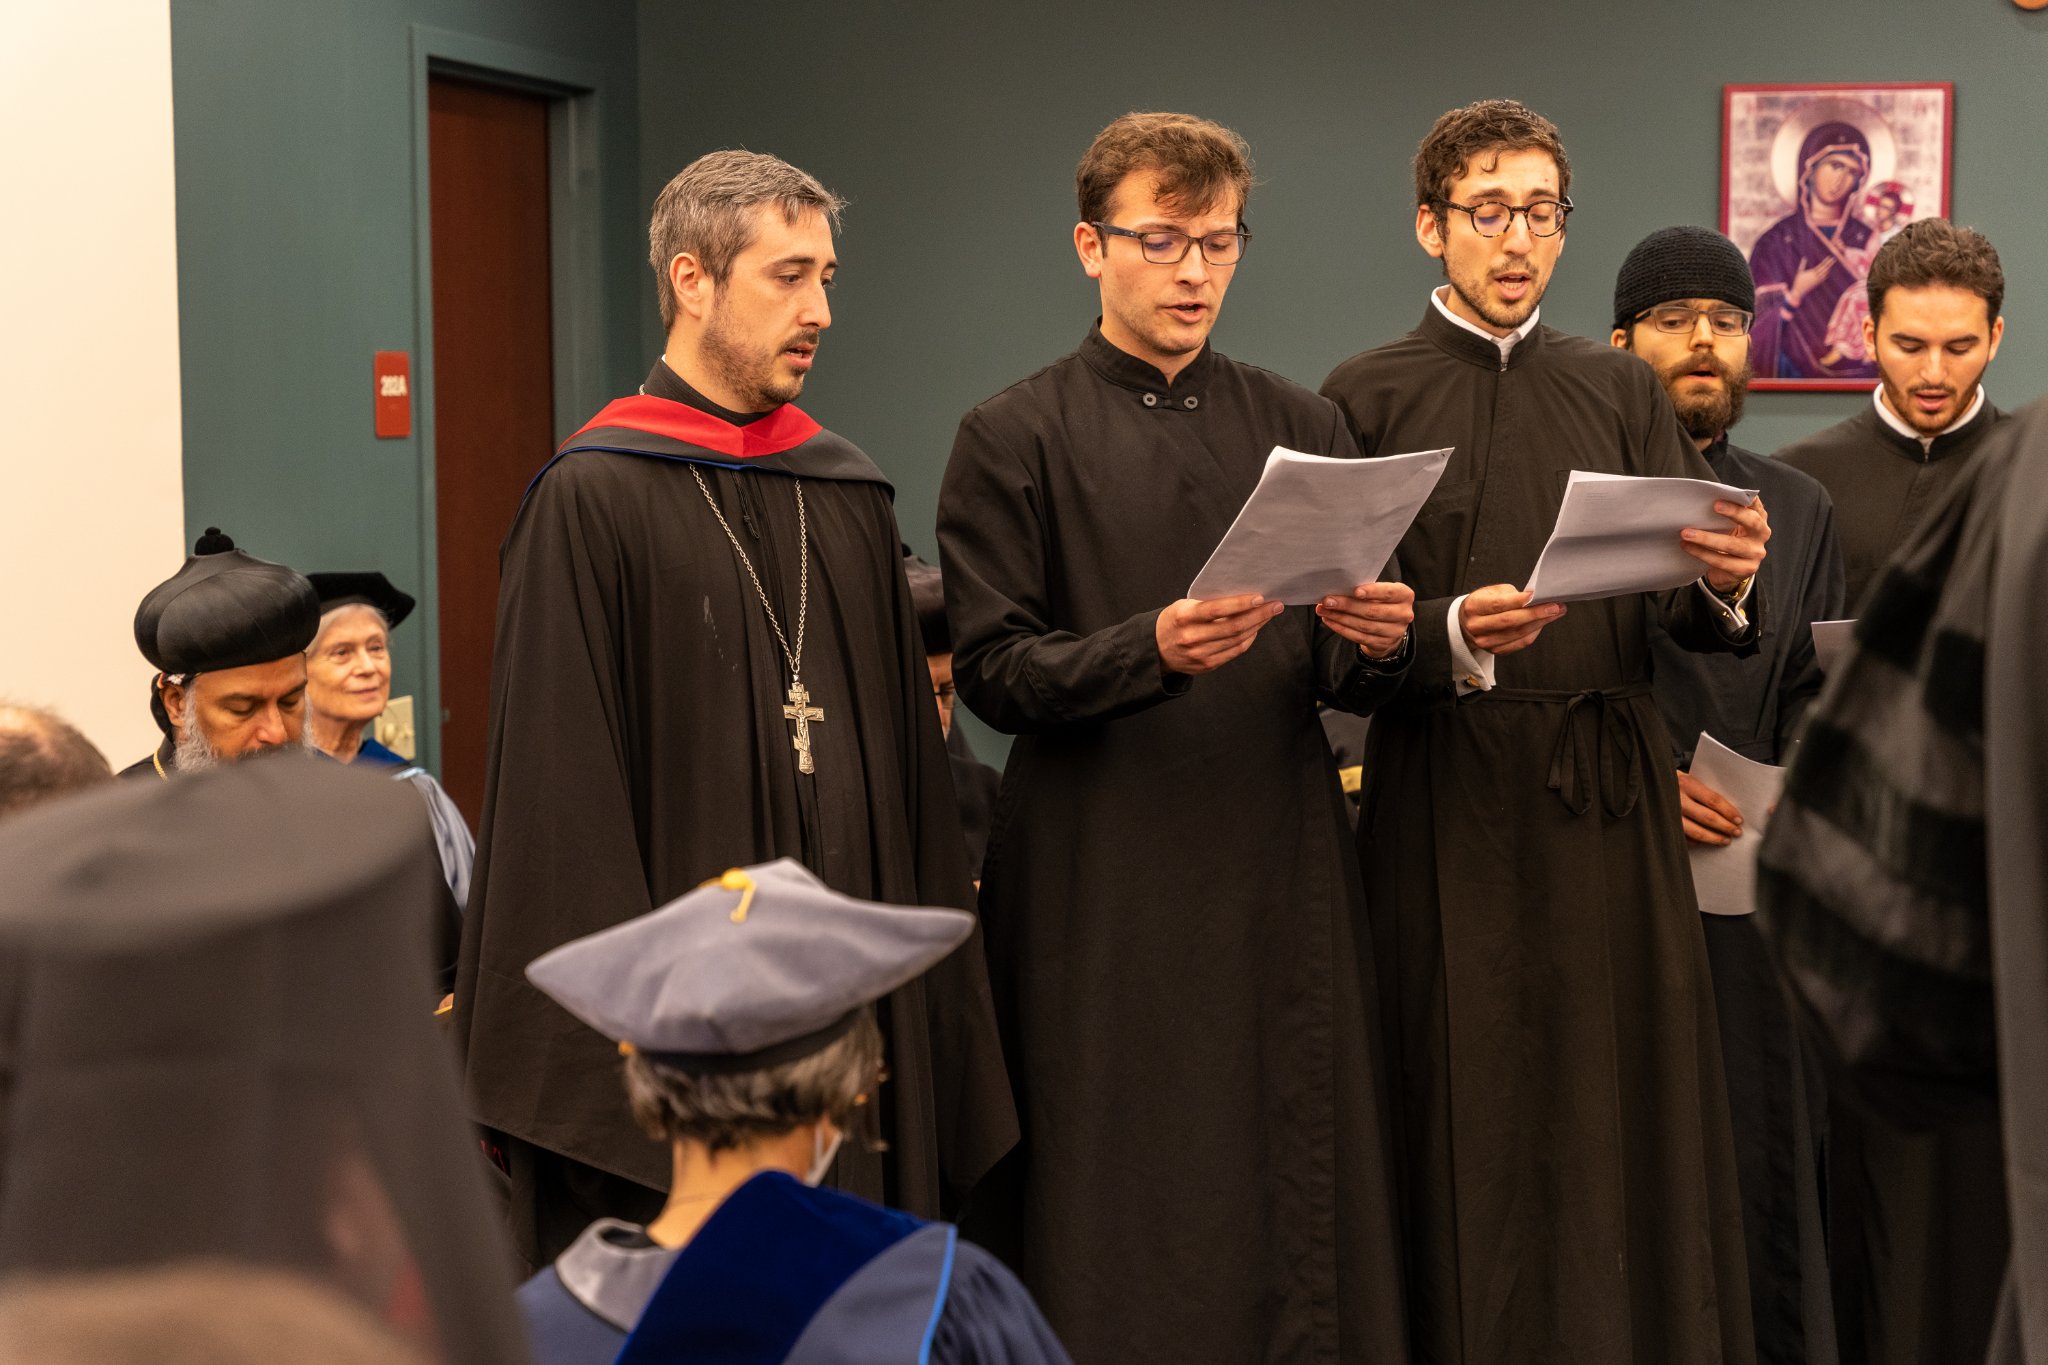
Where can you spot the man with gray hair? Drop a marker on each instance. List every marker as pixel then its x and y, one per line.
pixel 707 655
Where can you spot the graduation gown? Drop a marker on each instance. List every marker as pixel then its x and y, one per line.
pixel 1569 1187
pixel 639 746
pixel 784 1273
pixel 1918 1228
pixel 1900 884
pixel 1884 485
pixel 1776 1095
pixel 2016 811
pixel 1174 919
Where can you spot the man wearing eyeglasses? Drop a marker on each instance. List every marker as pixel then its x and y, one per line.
pixel 1683 303
pixel 1568 1177
pixel 1175 920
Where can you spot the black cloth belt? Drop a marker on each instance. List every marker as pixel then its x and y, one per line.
pixel 1595 745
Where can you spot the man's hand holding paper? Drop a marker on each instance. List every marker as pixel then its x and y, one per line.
pixel 1200 637
pixel 1619 534
pixel 1373 616
pixel 1732 556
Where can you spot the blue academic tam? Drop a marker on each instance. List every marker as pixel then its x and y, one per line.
pixel 783 1274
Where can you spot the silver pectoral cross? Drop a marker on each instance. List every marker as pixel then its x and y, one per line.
pixel 802 715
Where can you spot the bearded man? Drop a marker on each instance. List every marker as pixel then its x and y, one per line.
pixel 1683 303
pixel 707 656
pixel 227 634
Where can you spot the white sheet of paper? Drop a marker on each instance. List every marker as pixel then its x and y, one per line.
pixel 1618 534
pixel 1724 875
pixel 1830 638
pixel 1318 525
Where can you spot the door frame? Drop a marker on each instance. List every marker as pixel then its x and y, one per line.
pixel 574 91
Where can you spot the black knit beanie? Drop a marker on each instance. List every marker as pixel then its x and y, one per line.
pixel 1682 263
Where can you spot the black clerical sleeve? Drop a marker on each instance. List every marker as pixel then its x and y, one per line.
pixel 1822 597
pixel 1013 669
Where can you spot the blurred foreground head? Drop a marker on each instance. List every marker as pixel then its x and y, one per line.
pixel 42 758
pixel 211 1045
pixel 204 1313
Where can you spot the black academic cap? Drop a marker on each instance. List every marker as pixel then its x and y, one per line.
pixel 225 609
pixel 372 589
pixel 928 597
pixel 213 1044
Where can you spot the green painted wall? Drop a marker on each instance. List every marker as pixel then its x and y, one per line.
pixel 954 129
pixel 296 216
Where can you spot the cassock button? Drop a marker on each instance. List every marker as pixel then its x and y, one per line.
pixel 1151 400
pixel 1190 402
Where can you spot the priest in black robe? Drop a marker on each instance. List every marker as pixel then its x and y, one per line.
pixel 1934 327
pixel 1569 1186
pixel 1683 303
pixel 707 656
pixel 1917 1219
pixel 227 634
pixel 1175 924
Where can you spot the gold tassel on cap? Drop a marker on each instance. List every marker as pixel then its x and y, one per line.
pixel 735 880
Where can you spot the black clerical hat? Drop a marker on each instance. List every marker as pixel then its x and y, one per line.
pixel 372 589
pixel 928 599
pixel 761 966
pixel 225 609
pixel 1681 262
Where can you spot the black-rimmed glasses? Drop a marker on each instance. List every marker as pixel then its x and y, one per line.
pixel 1163 246
pixel 1676 319
pixel 1491 218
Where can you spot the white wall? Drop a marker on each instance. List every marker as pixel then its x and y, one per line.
pixel 91 498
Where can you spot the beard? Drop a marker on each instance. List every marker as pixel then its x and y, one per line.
pixel 1707 415
pixel 747 368
pixel 1472 289
pixel 196 753
pixel 1900 397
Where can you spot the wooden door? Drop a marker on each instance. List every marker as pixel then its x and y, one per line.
pixel 493 379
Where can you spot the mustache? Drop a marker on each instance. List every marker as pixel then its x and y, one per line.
pixel 806 338
pixel 1702 358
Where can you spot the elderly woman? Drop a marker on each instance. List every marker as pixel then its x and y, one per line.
pixel 348 682
pixel 745 1013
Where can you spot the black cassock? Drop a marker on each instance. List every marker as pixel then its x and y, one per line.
pixel 1174 919
pixel 639 746
pixel 1884 483
pixel 1776 1094
pixel 1917 1219
pixel 1568 1181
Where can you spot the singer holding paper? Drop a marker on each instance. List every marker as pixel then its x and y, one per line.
pixel 1175 920
pixel 1568 1171
pixel 1683 300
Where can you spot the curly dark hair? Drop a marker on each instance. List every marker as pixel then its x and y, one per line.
pixel 1936 251
pixel 1458 139
pixel 1196 163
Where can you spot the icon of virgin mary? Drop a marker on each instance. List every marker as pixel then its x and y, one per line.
pixel 1807 261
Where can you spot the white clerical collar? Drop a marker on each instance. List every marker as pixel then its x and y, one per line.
pixel 1898 423
pixel 1506 343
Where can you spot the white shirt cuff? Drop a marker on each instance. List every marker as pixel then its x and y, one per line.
pixel 1734 615
pixel 1471 669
